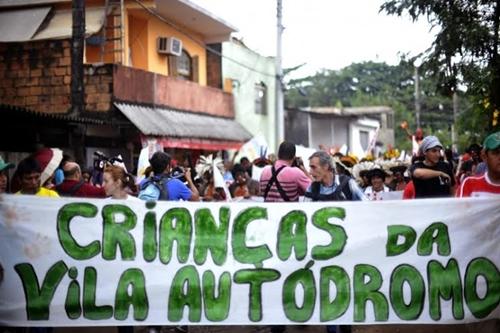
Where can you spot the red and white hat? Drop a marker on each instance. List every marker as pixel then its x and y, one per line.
pixel 49 160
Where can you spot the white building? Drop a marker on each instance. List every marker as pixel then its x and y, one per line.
pixel 252 81
pixel 359 128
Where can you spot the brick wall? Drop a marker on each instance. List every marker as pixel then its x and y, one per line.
pixel 37 76
pixel 98 87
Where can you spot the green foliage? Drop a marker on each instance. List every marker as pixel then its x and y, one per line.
pixel 471 125
pixel 372 83
pixel 357 84
pixel 465 50
pixel 463 58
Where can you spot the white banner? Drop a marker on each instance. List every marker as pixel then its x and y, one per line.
pixel 77 262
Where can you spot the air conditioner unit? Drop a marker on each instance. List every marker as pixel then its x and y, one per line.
pixel 170 45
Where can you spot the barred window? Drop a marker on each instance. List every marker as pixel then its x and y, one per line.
pixel 390 120
pixel 184 68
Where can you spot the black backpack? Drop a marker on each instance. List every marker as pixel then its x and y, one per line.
pixel 341 193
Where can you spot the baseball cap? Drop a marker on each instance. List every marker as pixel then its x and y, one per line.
pixel 5 165
pixel 492 141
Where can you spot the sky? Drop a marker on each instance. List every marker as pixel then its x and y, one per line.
pixel 324 34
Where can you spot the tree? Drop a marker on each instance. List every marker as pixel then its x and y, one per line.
pixel 358 81
pixel 465 50
pixel 372 83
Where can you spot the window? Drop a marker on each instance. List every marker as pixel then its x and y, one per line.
pixel 184 66
pixel 363 139
pixel 260 98
pixel 390 121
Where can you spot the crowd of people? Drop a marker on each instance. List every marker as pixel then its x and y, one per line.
pixel 430 174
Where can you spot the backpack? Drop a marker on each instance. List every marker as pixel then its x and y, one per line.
pixel 154 188
pixel 341 193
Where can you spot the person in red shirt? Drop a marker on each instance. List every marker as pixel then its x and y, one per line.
pixel 409 191
pixel 74 185
pixel 487 184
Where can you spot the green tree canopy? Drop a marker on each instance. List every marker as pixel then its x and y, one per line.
pixel 374 83
pixel 465 50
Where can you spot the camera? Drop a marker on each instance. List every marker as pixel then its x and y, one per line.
pixel 101 160
pixel 297 162
pixel 178 173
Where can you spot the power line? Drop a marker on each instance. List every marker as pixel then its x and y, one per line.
pixel 199 42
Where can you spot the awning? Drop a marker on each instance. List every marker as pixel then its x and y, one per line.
pixel 16 112
pixel 199 144
pixel 23 25
pixel 60 26
pixel 23 3
pixel 185 129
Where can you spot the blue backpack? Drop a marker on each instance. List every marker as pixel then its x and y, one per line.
pixel 154 188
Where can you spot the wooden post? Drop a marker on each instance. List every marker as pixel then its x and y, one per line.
pixel 77 46
pixel 77 75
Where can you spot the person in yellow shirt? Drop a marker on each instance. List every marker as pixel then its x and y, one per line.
pixel 29 173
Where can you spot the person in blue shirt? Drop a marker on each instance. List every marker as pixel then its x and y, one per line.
pixel 167 188
pixel 327 184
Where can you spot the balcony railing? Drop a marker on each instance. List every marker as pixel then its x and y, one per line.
pixel 142 87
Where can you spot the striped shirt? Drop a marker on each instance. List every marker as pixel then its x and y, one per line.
pixel 478 187
pixel 293 181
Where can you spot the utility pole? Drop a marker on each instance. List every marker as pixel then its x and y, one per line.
pixel 280 127
pixel 77 136
pixel 77 43
pixel 417 96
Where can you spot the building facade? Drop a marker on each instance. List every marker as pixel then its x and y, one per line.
pixel 151 70
pixel 252 82
pixel 360 129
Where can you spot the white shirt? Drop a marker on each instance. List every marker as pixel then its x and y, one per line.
pixel 375 196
